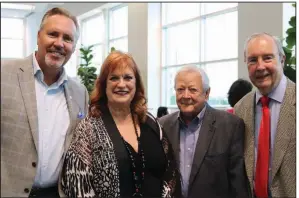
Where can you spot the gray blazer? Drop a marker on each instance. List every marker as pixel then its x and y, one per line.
pixel 19 124
pixel 284 157
pixel 218 165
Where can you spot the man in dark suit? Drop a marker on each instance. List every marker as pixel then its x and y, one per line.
pixel 207 142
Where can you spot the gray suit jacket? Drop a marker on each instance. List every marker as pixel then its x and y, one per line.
pixel 19 124
pixel 218 165
pixel 284 157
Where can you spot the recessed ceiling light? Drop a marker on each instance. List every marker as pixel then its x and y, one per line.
pixel 17 6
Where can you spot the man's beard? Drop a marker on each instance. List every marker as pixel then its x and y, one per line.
pixel 54 63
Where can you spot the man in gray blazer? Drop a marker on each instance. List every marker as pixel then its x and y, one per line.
pixel 208 143
pixel 270 155
pixel 40 107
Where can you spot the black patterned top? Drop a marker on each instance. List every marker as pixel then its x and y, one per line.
pixel 97 163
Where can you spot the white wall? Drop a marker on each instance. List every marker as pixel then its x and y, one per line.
pixel 80 8
pixel 255 18
pixel 154 62
pixel 138 37
pixel 144 43
pixel 32 23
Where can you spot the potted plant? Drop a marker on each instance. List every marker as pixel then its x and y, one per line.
pixel 86 71
pixel 289 50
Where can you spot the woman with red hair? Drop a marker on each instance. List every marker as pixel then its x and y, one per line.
pixel 119 149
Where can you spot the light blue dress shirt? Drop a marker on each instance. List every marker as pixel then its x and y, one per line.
pixel 188 139
pixel 53 123
pixel 276 97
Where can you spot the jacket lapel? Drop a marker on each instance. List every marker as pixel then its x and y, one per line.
pixel 73 108
pixel 113 133
pixel 27 85
pixel 249 138
pixel 204 139
pixel 174 138
pixel 285 127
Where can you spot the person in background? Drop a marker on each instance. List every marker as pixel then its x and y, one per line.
pixel 208 143
pixel 269 114
pixel 162 111
pixel 119 149
pixel 237 90
pixel 40 106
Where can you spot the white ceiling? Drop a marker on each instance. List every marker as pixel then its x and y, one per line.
pixel 17 13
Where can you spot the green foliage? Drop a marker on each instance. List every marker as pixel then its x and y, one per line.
pixel 112 49
pixel 86 71
pixel 290 49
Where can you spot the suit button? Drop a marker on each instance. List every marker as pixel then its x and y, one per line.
pixel 26 190
pixel 33 164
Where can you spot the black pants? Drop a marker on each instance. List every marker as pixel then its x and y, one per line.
pixel 51 192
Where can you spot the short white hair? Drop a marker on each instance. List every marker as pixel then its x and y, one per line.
pixel 275 39
pixel 191 69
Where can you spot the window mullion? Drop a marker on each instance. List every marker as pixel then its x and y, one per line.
pixel 106 34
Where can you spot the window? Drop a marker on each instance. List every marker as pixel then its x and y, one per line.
pixel 104 28
pixel 71 66
pixel 12 38
pixel 93 34
pixel 203 34
pixel 118 28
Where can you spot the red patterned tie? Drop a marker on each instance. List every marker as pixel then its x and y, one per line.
pixel 262 164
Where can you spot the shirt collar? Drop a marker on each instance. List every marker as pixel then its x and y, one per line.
pixel 199 116
pixel 40 76
pixel 277 93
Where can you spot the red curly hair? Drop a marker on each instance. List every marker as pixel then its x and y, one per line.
pixel 98 98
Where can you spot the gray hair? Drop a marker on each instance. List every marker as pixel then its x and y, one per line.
pixel 193 68
pixel 63 12
pixel 276 40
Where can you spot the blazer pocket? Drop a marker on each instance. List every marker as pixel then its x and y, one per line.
pixel 213 170
pixel 212 155
pixel 216 160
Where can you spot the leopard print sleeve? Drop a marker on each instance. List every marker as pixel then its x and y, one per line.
pixel 172 178
pixel 76 174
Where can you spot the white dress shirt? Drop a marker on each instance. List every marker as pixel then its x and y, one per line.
pixel 53 123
